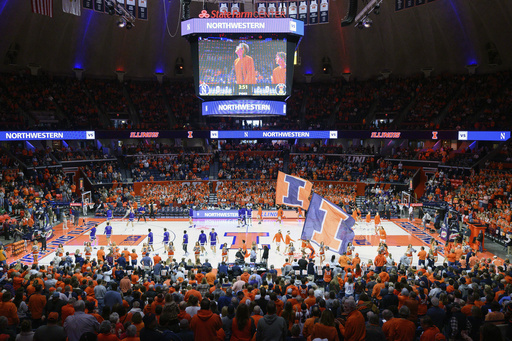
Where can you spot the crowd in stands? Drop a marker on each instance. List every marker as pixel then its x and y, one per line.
pixel 432 96
pixel 103 172
pixel 240 193
pixel 471 102
pixel 114 294
pixel 250 165
pixel 149 104
pixel 170 167
pixel 175 194
pixel 108 94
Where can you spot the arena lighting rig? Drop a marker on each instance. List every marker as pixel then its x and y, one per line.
pixel 126 18
pixel 363 20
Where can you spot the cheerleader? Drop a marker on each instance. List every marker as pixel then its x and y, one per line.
pixel 225 252
pixel 350 250
pixel 88 250
pixel 35 252
pixel 170 251
pixel 291 250
pixel 60 250
pixel 409 252
pixel 311 255
pixel 197 251
pixel 322 252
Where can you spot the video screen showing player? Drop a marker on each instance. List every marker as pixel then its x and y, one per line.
pixel 242 67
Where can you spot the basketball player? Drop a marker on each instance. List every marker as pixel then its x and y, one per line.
pixel 166 237
pixel 150 240
pixel 260 214
pixel 92 236
pixel 214 238
pixel 108 232
pixel 278 238
pixel 202 241
pixel 131 217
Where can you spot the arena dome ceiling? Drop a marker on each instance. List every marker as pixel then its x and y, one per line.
pixel 445 35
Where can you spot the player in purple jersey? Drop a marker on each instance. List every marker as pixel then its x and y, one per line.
pixel 108 232
pixel 150 240
pixel 92 235
pixel 131 217
pixel 185 242
pixel 202 240
pixel 214 239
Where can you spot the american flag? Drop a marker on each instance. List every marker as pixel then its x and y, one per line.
pixel 44 7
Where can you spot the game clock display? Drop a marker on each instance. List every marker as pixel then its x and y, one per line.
pixel 242 67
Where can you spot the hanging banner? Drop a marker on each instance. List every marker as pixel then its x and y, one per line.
pixel 235 8
pixel 262 10
pixel 143 10
pixel 121 3
pixel 130 7
pixel 421 2
pixel 303 12
pixel 324 11
pixel 272 9
pixel 409 3
pixel 223 8
pixel 99 6
pixel 293 10
pixel 281 10
pixel 399 5
pixel 313 12
pixel 87 4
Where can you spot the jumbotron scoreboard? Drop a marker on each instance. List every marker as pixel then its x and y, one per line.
pixel 243 66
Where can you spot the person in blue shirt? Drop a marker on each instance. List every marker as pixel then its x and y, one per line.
pixel 142 213
pixel 166 238
pixel 202 241
pixel 109 214
pixel 248 214
pixel 214 238
pixel 92 235
pixel 241 217
pixel 108 232
pixel 76 214
pixel 190 215
pixel 131 217
pixel 150 240
pixel 185 242
pixel 147 263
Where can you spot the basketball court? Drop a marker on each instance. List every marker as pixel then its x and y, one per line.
pixel 400 233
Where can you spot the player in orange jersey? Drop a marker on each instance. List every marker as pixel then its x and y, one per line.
pixel 278 238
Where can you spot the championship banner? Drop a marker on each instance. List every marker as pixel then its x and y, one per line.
pixel 142 10
pixel 235 8
pixel 328 224
pixel 313 12
pixel 130 7
pixel 324 11
pixel 99 6
pixel 303 12
pixel 272 9
pixel 292 191
pixel 223 8
pixel 293 10
pixel 72 7
pixel 420 2
pixel 409 3
pixel 281 10
pixel 399 5
pixel 88 4
pixel 262 10
pixel 121 3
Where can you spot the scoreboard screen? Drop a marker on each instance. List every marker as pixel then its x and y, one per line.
pixel 242 67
